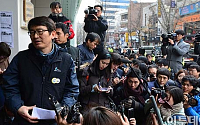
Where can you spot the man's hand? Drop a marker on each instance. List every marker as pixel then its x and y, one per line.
pixel 125 120
pixel 95 57
pixel 116 80
pixel 1 71
pixel 132 121
pixel 185 104
pixel 63 121
pixel 95 18
pixel 23 112
pixel 171 41
pixel 97 89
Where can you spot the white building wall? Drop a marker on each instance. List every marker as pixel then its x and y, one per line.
pixel 21 38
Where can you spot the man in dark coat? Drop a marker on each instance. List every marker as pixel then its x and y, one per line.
pixel 97 24
pixel 35 73
pixel 57 16
pixel 61 39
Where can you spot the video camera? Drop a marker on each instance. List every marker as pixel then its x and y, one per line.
pixel 91 12
pixel 73 114
pixel 166 37
pixel 160 92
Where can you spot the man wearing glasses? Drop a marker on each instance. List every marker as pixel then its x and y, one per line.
pixel 98 25
pixel 35 73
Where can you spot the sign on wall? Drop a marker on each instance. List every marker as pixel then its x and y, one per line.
pixel 6 28
pixel 192 8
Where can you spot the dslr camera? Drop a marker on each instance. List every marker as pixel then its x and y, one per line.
pixel 91 12
pixel 160 92
pixel 166 37
pixel 191 100
pixel 73 114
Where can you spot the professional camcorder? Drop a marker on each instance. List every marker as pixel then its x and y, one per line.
pixel 166 37
pixel 73 114
pixel 91 12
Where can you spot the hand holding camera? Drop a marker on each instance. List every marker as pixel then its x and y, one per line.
pixel 70 114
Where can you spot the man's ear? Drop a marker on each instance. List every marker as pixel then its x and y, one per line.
pixel 67 35
pixel 53 34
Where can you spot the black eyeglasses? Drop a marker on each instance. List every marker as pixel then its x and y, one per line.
pixel 38 32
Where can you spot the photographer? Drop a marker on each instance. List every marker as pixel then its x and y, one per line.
pixel 190 89
pixel 171 110
pixel 94 22
pixel 57 16
pixel 176 49
pixel 133 94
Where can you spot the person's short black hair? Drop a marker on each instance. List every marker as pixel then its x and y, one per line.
pixel 132 55
pixel 143 68
pixel 163 71
pixel 42 21
pixel 197 67
pixel 63 26
pixel 99 6
pixel 4 49
pixel 136 62
pixel 152 66
pixel 132 73
pixel 191 79
pixel 186 65
pixel 54 4
pixel 116 58
pixel 163 61
pixel 176 93
pixel 143 59
pixel 149 55
pixel 180 32
pixel 92 37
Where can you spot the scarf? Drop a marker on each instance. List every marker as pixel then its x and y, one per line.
pixel 137 93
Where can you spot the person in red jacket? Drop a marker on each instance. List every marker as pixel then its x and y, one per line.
pixel 57 16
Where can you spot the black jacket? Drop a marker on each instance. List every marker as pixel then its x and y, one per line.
pixel 91 76
pixel 98 27
pixel 30 77
pixel 73 51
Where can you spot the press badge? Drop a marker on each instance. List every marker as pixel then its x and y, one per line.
pixel 55 80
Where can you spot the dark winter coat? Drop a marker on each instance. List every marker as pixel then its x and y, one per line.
pixel 30 78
